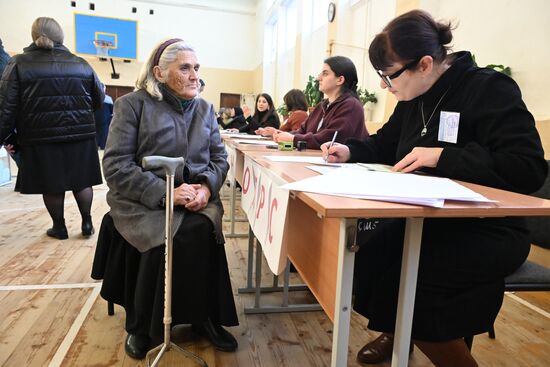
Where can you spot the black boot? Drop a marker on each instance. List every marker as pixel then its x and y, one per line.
pixel 58 230
pixel 220 338
pixel 87 226
pixel 136 346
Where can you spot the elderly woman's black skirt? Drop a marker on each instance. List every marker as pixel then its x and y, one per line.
pixel 201 287
pixel 461 273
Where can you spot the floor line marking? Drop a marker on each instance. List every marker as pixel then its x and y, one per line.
pixel 33 287
pixel 529 305
pixel 61 352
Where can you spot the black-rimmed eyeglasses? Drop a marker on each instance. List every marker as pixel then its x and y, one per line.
pixel 387 78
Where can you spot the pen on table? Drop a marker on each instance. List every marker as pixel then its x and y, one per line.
pixel 330 145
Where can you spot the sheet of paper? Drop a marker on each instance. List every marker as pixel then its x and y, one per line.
pixel 301 159
pixel 256 142
pixel 247 136
pixel 408 188
pixel 324 169
pixel 435 203
pixel 376 167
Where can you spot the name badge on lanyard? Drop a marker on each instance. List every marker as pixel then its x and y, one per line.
pixel 448 126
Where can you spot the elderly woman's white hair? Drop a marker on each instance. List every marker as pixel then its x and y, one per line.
pixel 146 79
pixel 46 32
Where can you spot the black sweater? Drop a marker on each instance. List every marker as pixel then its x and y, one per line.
pixel 498 144
pixel 260 120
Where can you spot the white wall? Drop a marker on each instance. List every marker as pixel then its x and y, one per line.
pixel 314 51
pixel 508 32
pixel 222 39
pixel 358 23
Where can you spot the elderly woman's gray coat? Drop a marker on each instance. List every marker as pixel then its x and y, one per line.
pixel 144 126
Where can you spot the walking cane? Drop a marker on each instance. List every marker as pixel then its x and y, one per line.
pixel 170 165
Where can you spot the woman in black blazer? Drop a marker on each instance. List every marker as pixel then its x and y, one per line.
pixel 264 115
pixel 453 120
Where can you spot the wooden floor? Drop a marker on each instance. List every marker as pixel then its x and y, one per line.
pixel 51 314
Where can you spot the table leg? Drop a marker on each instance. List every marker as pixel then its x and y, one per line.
pixel 344 285
pixel 407 291
pixel 232 210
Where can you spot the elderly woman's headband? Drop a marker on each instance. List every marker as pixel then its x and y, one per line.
pixel 163 47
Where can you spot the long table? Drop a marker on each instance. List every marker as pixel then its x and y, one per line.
pixel 236 152
pixel 322 234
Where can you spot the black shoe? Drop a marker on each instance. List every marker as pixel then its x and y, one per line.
pixel 87 226
pixel 136 346
pixel 59 232
pixel 220 338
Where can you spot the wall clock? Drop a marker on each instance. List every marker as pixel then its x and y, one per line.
pixel 331 11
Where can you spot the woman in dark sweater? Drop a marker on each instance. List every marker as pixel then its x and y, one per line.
pixel 264 115
pixel 458 121
pixel 236 119
pixel 341 110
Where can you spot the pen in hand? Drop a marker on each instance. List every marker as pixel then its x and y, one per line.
pixel 330 145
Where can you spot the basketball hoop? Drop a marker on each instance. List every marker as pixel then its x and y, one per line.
pixel 102 48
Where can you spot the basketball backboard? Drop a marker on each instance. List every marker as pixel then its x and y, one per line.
pixel 120 34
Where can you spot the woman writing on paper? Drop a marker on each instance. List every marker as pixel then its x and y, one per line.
pixel 462 122
pixel 341 110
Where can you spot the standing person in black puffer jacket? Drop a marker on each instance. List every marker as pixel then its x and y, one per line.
pixel 48 95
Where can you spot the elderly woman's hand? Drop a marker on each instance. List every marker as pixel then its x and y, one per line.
pixel 184 194
pixel 201 199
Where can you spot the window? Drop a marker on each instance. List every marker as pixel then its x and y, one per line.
pixel 270 41
pixel 319 14
pixel 289 15
pixel 314 15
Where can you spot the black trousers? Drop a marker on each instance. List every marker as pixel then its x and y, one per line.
pixel 460 285
pixel 201 287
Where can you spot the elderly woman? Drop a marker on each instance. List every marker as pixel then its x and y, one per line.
pixel 48 96
pixel 163 117
pixel 458 121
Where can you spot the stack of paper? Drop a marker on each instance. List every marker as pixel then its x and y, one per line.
pixel 256 142
pixel 402 188
pixel 300 159
pixel 248 137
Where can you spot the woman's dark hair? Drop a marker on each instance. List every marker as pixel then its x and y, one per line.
pixel 409 37
pixel 342 66
pixel 262 116
pixel 238 111
pixel 294 100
